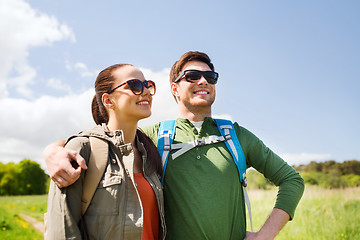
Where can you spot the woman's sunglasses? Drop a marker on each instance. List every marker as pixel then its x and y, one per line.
pixel 195 75
pixel 137 86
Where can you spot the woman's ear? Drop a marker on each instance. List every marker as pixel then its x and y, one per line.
pixel 107 101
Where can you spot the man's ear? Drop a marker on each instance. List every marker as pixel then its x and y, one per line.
pixel 107 101
pixel 175 90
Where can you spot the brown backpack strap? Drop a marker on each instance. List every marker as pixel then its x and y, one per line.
pixel 96 167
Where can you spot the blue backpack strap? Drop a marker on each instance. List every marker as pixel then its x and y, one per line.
pixel 227 130
pixel 166 136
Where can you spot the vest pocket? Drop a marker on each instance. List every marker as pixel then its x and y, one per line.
pixel 107 196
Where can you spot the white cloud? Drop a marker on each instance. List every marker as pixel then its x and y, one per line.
pixel 21 28
pixel 28 126
pixel 304 158
pixel 58 85
pixel 84 71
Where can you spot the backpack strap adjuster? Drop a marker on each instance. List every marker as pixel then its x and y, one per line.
pixel 244 181
pixel 227 137
pixel 199 142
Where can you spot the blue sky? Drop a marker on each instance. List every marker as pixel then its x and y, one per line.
pixel 289 70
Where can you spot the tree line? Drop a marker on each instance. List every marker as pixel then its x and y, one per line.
pixel 344 168
pixel 28 178
pixel 24 178
pixel 329 174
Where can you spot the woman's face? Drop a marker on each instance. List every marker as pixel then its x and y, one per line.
pixel 126 105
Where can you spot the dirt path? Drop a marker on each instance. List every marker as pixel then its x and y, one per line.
pixel 36 224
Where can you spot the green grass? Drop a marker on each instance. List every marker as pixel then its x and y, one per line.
pixel 11 225
pixel 321 214
pixel 34 205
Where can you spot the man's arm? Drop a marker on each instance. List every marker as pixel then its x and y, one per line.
pixel 60 163
pixel 275 222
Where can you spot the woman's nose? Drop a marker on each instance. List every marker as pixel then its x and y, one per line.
pixel 146 91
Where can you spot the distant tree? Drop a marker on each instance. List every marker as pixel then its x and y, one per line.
pixel 299 168
pixel 313 167
pixel 8 180
pixel 334 179
pixel 32 178
pixel 350 167
pixel 312 178
pixel 328 166
pixel 2 170
pixel 346 167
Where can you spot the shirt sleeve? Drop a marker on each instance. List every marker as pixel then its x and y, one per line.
pixel 64 205
pixel 259 156
pixel 152 132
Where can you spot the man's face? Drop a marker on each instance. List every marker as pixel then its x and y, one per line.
pixel 197 94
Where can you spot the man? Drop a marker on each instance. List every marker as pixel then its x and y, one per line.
pixel 202 191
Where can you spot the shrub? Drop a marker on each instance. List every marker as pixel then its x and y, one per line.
pixel 24 178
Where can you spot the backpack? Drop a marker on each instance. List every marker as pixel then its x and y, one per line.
pixel 166 137
pixel 96 168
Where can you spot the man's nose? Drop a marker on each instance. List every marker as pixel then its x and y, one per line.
pixel 202 80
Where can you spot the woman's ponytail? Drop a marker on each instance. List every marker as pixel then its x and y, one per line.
pixel 99 115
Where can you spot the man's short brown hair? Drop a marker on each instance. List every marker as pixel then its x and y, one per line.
pixel 187 57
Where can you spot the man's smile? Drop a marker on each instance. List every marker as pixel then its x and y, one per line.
pixel 201 92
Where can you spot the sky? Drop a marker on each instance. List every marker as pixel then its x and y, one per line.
pixel 289 70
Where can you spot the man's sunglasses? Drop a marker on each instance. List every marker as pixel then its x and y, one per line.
pixel 195 75
pixel 137 86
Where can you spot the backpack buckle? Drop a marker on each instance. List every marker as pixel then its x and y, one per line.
pixel 199 142
pixel 244 182
pixel 227 137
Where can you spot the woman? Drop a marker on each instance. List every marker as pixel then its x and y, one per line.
pixel 128 202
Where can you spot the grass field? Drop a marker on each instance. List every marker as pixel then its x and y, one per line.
pixel 12 226
pixel 321 215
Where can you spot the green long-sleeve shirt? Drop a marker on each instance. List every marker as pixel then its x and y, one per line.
pixel 202 191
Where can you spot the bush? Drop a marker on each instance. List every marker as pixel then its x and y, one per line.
pixel 351 180
pixel 312 178
pixel 331 180
pixel 25 178
pixel 257 181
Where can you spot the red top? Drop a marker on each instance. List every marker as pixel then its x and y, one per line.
pixel 150 208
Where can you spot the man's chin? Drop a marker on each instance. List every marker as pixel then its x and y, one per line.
pixel 203 103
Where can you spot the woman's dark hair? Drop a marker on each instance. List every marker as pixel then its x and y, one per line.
pixel 153 157
pixel 103 84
